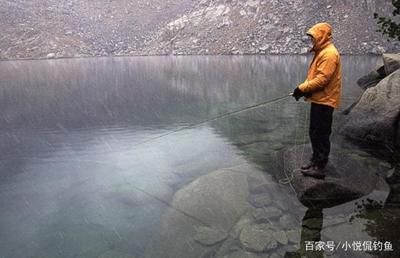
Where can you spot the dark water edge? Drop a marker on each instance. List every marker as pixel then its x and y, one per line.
pixel 73 162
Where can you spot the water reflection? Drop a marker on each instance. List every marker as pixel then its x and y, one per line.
pixel 72 158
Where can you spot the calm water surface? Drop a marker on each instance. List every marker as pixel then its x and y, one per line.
pixel 80 177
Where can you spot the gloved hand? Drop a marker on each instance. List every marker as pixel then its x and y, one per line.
pixel 307 94
pixel 297 94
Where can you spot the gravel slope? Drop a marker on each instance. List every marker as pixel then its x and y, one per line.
pixel 74 28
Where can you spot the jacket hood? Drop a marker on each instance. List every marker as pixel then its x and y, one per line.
pixel 322 33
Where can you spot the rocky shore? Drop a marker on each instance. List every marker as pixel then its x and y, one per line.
pixel 76 28
pixel 375 118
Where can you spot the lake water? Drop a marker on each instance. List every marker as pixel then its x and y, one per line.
pixel 85 173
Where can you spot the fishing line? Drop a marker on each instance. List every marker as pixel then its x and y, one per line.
pixel 257 105
pixel 288 178
pixel 227 114
pixel 230 113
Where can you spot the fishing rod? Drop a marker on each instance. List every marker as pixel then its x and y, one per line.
pixel 230 113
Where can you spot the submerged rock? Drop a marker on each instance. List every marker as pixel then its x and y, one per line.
pixel 257 238
pixel 241 254
pixel 293 236
pixel 260 200
pixel 115 254
pixel 347 178
pixel 203 212
pixel 281 237
pixel 263 215
pixel 209 236
pixel 273 212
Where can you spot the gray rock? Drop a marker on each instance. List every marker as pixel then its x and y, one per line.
pixel 293 236
pixel 260 200
pixel 261 188
pixel 304 50
pixel 260 216
pixel 257 182
pixel 373 118
pixel 216 200
pixel 286 222
pixel 348 177
pixel 347 231
pixel 230 245
pixel 281 237
pixel 333 221
pixel 257 238
pixel 397 136
pixel 272 212
pixel 209 236
pixel 245 219
pixel 391 62
pixel 51 55
pixel 241 254
pixel 372 79
pixel 115 254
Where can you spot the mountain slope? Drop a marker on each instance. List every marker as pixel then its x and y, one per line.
pixel 74 28
pixel 256 26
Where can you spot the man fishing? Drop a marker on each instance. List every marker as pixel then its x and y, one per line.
pixel 322 88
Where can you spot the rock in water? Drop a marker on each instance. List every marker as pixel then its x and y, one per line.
pixel 347 178
pixel 376 116
pixel 281 237
pixel 204 211
pixel 260 200
pixel 257 238
pixel 209 236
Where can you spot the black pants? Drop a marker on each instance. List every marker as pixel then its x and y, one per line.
pixel 320 131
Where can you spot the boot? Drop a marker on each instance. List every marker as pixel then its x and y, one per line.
pixel 308 165
pixel 315 172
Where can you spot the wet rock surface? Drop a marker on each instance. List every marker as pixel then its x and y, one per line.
pixel 348 177
pixel 375 117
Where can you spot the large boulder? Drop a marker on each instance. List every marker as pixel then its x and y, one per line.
pixel 397 136
pixel 372 78
pixel 348 177
pixel 203 214
pixel 391 62
pixel 375 118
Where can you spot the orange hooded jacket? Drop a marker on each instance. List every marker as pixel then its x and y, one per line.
pixel 324 78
